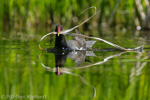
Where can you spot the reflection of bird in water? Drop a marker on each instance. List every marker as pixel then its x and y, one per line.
pixel 61 55
pixel 60 59
pixel 78 43
pixel 77 57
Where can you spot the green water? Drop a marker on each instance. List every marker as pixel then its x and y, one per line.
pixel 27 73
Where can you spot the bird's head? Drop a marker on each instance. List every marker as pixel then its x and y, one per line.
pixel 58 29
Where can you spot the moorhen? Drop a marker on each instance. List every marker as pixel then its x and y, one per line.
pixel 78 43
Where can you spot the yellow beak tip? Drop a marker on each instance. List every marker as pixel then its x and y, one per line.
pixel 58 34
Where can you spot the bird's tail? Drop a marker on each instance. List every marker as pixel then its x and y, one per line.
pixel 89 44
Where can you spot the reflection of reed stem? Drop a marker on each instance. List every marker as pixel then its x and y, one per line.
pixel 69 70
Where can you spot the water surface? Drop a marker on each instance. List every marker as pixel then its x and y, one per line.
pixel 29 73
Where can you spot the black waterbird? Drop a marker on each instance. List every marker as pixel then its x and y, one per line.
pixel 78 43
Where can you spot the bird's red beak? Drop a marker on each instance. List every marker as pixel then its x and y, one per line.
pixel 58 30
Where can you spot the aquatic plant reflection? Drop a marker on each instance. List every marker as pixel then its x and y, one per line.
pixel 78 57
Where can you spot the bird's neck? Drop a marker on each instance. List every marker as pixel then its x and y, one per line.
pixel 60 41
